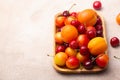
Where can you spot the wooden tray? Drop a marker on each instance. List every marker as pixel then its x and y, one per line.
pixel 81 70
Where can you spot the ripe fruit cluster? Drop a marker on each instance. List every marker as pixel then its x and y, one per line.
pixel 79 40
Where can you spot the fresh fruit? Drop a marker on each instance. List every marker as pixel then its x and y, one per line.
pixel 97 5
pixel 99 27
pixel 88 64
pixel 82 58
pixel 58 38
pixel 77 41
pixel 99 30
pixel 83 40
pixel 118 18
pixel 89 28
pixel 59 21
pixel 73 14
pixel 73 44
pixel 60 48
pixel 84 50
pixel 69 33
pixel 70 52
pixel 81 29
pixel 102 60
pixel 99 33
pixel 66 45
pixel 91 34
pixel 97 45
pixel 69 19
pixel 114 42
pixel 72 63
pixel 87 17
pixel 60 59
pixel 75 23
pixel 99 22
pixel 66 13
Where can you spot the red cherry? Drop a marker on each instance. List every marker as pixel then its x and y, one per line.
pixel 74 14
pixel 72 62
pixel 99 22
pixel 66 45
pixel 75 23
pixel 88 64
pixel 84 50
pixel 81 28
pixel 73 44
pixel 114 42
pixel 97 5
pixel 99 27
pixel 60 48
pixel 99 33
pixel 91 34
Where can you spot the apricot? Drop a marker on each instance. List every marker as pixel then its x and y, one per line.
pixel 97 45
pixel 88 17
pixel 59 21
pixel 70 52
pixel 58 38
pixel 60 58
pixel 69 33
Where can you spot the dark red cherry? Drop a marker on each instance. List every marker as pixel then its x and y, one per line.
pixel 60 48
pixel 66 13
pixel 88 64
pixel 81 28
pixel 75 23
pixel 73 44
pixel 84 50
pixel 114 42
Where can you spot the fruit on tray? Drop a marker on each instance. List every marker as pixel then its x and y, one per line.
pixel 83 40
pixel 97 45
pixel 88 17
pixel 59 21
pixel 69 33
pixel 82 58
pixel 58 38
pixel 72 62
pixel 80 41
pixel 102 60
pixel 60 58
pixel 70 52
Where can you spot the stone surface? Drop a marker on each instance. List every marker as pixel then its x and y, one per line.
pixel 26 37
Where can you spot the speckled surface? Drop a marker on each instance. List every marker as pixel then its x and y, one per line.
pixel 26 37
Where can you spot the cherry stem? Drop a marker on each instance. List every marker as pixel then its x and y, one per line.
pixel 71 7
pixel 94 59
pixel 116 57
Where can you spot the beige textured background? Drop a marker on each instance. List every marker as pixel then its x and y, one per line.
pixel 26 37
